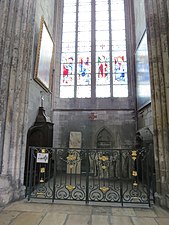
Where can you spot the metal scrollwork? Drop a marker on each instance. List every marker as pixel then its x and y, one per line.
pixel 100 175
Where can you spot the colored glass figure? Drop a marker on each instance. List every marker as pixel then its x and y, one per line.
pixel 68 71
pixel 84 70
pixel 102 67
pixel 77 32
pixel 119 69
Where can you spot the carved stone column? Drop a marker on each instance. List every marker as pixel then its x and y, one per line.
pixel 16 40
pixel 158 46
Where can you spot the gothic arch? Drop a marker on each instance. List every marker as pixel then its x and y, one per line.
pixel 104 138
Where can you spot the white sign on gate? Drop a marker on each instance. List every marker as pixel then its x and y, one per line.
pixel 42 157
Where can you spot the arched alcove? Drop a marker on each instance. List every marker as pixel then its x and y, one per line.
pixel 104 138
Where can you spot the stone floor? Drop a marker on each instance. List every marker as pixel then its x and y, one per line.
pixel 25 213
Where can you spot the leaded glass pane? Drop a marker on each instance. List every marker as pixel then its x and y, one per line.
pixel 102 79
pixel 69 18
pixel 118 54
pixel 84 46
pixel 84 26
pixel 84 36
pixel 104 16
pixel 102 35
pixel 70 9
pixel 102 25
pixel 119 46
pixel 85 6
pixel 84 2
pixel 118 25
pixel 66 91
pixel 102 46
pixel 120 91
pixel 68 2
pixel 68 58
pixel 120 78
pixel 69 28
pixel 67 69
pixel 103 91
pixel 102 64
pixel 68 37
pixel 84 78
pixel 117 15
pixel 81 64
pixel 84 16
pixel 84 69
pixel 83 91
pixel 68 47
pixel 118 35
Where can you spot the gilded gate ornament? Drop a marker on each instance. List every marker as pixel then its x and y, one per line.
pixel 42 170
pixel 104 189
pixel 134 173
pixel 135 184
pixel 43 150
pixel 71 157
pixel 41 180
pixel 103 158
pixel 70 187
pixel 134 154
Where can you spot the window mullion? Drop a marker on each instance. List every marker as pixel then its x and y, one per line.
pixel 110 48
pixel 76 47
pixel 93 51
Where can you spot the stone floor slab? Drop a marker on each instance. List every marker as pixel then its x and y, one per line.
pixel 27 218
pixel 123 212
pixel 100 220
pixel 53 218
pixel 162 221
pixel 143 221
pixel 7 217
pixel 140 212
pixel 120 220
pixel 27 207
pixel 160 212
pixel 71 209
pixel 78 220
pixel 97 210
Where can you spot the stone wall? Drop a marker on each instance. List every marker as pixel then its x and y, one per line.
pixel 43 8
pixel 120 124
pixel 115 114
pixel 156 115
pixel 19 94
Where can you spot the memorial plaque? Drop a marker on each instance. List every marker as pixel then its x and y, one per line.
pixel 75 140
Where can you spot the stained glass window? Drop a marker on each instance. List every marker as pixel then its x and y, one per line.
pixel 93 49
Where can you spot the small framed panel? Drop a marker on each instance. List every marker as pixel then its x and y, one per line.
pixel 44 57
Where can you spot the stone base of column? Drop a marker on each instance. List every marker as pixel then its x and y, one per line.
pixel 161 200
pixel 9 192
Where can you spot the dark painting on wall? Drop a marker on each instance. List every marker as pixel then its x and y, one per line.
pixel 142 73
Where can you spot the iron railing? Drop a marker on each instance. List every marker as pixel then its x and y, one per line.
pixel 90 175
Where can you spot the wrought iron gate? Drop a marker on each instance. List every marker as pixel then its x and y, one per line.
pixel 108 175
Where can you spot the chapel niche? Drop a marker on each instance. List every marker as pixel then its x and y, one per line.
pixel 104 139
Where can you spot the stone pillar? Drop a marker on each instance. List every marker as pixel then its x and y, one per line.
pixel 158 46
pixel 16 44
